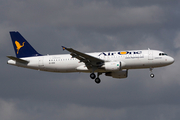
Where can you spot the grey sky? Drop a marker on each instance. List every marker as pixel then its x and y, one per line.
pixel 90 26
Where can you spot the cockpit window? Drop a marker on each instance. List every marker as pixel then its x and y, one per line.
pixel 162 54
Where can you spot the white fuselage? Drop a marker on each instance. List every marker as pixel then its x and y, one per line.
pixel 133 59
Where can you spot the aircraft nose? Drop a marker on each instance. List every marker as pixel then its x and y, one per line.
pixel 171 60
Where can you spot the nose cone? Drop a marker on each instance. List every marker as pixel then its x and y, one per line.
pixel 170 60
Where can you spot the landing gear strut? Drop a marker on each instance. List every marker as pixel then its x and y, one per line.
pixel 93 76
pixel 98 80
pixel 151 75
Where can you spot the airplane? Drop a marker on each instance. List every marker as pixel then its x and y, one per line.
pixel 112 63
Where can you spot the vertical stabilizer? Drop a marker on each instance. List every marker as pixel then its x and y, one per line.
pixel 21 46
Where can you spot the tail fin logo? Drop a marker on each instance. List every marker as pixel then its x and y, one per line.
pixel 19 46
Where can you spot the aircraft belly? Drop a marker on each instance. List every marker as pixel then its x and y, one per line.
pixel 145 63
pixel 67 67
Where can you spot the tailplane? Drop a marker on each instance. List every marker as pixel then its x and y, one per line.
pixel 21 46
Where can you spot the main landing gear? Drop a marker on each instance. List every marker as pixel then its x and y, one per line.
pixel 93 76
pixel 151 75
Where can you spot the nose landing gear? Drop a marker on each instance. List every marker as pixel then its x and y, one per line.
pixel 151 75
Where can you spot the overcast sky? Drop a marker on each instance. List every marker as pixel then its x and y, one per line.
pixel 89 26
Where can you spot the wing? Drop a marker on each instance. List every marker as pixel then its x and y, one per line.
pixel 89 60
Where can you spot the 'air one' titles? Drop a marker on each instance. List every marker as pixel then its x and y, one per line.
pixel 120 53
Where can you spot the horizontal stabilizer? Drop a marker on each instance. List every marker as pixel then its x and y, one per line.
pixel 18 60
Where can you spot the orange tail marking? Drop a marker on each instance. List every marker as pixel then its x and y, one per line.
pixel 19 46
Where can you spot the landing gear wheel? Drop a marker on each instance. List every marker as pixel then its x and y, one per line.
pixel 97 80
pixel 92 76
pixel 152 75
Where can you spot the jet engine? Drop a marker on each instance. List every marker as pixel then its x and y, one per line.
pixel 112 66
pixel 118 74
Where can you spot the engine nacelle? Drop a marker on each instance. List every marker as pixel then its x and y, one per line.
pixel 118 74
pixel 112 66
